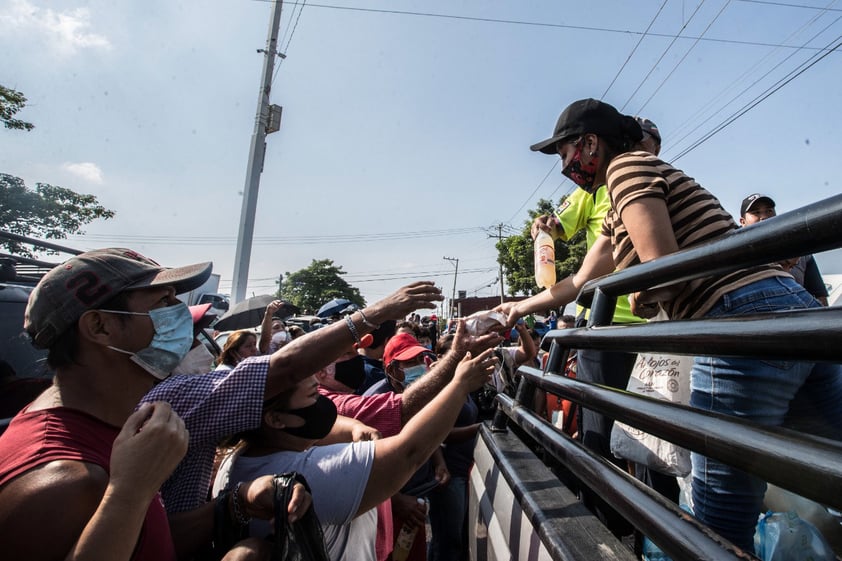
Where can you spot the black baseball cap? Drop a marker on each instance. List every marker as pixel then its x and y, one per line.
pixel 590 116
pixel 752 200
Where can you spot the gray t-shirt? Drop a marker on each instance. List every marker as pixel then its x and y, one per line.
pixel 337 475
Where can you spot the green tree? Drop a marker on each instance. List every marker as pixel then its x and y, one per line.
pixel 49 212
pixel 517 256
pixel 11 102
pixel 316 284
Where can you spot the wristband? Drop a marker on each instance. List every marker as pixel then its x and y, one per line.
pixel 366 322
pixel 239 514
pixel 352 328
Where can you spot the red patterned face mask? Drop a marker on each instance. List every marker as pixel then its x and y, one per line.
pixel 583 176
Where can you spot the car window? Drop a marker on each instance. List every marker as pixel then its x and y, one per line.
pixel 15 347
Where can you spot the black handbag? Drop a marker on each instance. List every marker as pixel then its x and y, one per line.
pixel 303 539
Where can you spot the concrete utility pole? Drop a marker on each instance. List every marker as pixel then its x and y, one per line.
pixel 456 272
pixel 500 239
pixel 257 152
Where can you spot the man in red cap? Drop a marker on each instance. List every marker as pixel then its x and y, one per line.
pixel 388 411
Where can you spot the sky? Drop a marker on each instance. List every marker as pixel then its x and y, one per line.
pixel 406 124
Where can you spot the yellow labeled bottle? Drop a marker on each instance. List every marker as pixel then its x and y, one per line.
pixel 544 260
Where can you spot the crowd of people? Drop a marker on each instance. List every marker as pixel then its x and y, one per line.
pixel 157 449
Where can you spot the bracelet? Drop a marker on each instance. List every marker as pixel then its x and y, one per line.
pixel 366 322
pixel 353 328
pixel 239 514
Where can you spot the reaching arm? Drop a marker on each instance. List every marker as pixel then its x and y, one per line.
pixel 598 262
pixel 266 326
pixel 396 458
pixel 526 350
pixel 307 355
pixel 425 388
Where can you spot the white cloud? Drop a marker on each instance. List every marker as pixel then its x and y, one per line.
pixel 88 171
pixel 66 31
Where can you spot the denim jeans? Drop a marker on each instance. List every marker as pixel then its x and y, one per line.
pixel 799 395
pixel 448 509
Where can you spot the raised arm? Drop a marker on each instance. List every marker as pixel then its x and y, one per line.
pixel 307 355
pixel 427 386
pixel 266 325
pixel 598 262
pixel 396 458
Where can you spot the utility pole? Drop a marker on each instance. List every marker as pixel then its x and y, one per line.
pixel 456 272
pixel 266 116
pixel 500 239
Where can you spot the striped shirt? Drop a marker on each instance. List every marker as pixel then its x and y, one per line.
pixel 696 216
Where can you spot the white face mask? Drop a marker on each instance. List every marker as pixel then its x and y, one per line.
pixel 198 361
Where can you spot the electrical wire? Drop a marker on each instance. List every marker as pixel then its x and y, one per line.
pixel 749 87
pixel 634 49
pixel 532 23
pixel 733 85
pixel 663 54
pixel 757 100
pixel 683 58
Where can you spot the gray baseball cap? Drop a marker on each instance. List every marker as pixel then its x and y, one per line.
pixel 88 280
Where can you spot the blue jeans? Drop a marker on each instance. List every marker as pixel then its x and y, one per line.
pixel 799 395
pixel 448 509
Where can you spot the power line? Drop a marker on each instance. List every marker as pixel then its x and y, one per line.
pixel 683 58
pixel 537 24
pixel 281 240
pixel 756 101
pixel 732 86
pixel 663 54
pixel 788 5
pixel 634 49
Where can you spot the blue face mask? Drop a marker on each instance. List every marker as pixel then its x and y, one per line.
pixel 171 343
pixel 413 373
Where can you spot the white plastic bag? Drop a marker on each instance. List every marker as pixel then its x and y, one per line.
pixel 665 377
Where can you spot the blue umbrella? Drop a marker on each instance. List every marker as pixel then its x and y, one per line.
pixel 335 306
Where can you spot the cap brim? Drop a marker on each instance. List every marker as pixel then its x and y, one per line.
pixel 199 311
pixel 183 279
pixel 546 146
pixel 410 353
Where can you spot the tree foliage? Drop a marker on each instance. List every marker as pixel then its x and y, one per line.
pixel 517 255
pixel 11 102
pixel 316 284
pixel 48 212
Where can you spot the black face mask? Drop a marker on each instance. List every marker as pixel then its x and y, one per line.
pixel 318 419
pixel 350 372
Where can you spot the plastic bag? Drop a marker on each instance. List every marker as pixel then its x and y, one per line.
pixel 482 322
pixel 784 536
pixel 666 377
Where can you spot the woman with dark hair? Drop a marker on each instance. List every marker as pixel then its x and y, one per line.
pixel 656 210
pixel 239 345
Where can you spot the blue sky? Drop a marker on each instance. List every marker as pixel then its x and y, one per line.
pixel 405 136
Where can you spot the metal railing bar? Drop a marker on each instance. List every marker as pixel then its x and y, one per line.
pixel 678 534
pixel 807 465
pixel 811 335
pixel 811 229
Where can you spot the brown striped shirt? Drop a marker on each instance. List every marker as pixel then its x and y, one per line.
pixel 696 216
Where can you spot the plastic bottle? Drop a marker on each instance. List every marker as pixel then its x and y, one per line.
pixel 406 536
pixel 544 260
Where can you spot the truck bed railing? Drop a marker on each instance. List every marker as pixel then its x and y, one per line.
pixel 807 465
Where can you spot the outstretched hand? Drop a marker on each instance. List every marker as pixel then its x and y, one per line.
pixel 421 294
pixel 476 371
pixel 464 342
pixel 511 312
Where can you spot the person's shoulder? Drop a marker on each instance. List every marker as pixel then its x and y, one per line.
pixel 76 486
